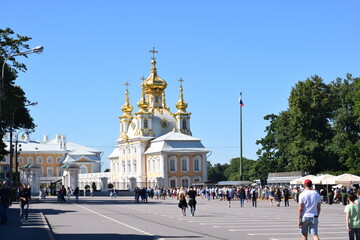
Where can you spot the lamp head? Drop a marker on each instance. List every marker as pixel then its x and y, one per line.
pixel 38 49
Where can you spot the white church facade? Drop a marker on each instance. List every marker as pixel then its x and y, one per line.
pixel 155 147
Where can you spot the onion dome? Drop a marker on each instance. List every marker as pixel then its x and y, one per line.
pixel 181 105
pixel 154 82
pixel 127 108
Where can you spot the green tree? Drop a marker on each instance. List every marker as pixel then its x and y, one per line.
pixel 345 145
pixel 232 172
pixel 13 99
pixel 310 108
pixel 216 172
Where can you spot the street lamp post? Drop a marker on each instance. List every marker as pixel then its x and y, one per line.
pixel 11 141
pixel 38 49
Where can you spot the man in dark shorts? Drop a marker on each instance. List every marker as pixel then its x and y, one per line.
pixel 192 200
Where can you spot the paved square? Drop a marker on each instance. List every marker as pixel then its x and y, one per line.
pixel 121 218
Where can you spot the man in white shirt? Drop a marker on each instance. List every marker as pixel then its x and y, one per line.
pixel 309 211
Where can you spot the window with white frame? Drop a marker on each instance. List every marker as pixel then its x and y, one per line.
pixel 197 163
pixel 172 163
pixel 39 160
pixel 41 172
pixel 83 169
pixel 184 163
pixel 49 160
pixel 134 166
pixel 185 182
pixel 58 159
pixel 20 160
pixel 49 171
pixel 172 182
pixel 59 171
pixel 129 166
pixel 145 123
pixel 30 160
pixel 197 179
pixel 123 167
pixel 153 165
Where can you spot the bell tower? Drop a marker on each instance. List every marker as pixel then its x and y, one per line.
pixel 182 117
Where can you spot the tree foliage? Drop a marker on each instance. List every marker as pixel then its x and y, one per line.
pixel 13 113
pixel 319 132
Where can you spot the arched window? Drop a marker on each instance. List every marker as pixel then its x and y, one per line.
pixel 184 163
pixel 123 167
pixel 20 160
pixel 172 164
pixel 30 160
pixel 49 171
pixel 39 160
pixel 135 167
pixel 59 171
pixel 145 123
pixel 185 182
pixel 129 166
pixel 184 124
pixel 58 159
pixel 83 169
pixel 197 163
pixel 197 179
pixel 172 182
pixel 49 160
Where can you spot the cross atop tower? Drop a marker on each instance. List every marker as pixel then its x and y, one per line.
pixel 127 84
pixel 181 81
pixel 153 51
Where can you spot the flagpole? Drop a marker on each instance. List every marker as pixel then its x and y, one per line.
pixel 240 103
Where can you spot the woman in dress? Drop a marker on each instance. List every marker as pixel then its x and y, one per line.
pixel 182 201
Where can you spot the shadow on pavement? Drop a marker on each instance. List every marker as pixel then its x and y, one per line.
pixel 115 237
pixel 33 230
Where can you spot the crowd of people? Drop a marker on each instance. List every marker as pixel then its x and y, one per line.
pixel 186 197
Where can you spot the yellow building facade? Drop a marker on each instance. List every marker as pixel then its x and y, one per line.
pixel 51 155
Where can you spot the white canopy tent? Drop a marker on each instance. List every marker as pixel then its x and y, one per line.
pixel 322 178
pixel 302 179
pixel 344 179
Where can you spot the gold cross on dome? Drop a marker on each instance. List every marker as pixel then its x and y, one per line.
pixel 127 84
pixel 153 51
pixel 181 81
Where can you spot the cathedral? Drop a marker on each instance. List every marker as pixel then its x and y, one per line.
pixel 155 147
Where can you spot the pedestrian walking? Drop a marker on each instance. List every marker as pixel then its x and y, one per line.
pixel 76 194
pixel 254 196
pixel 182 201
pixel 309 211
pixel 5 202
pixel 25 197
pixel 271 196
pixel 353 217
pixel 242 196
pixel 278 196
pixel 192 200
pixel 286 194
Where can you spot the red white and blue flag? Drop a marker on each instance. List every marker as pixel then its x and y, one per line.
pixel 241 102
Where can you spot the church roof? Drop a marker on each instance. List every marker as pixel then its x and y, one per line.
pixel 175 142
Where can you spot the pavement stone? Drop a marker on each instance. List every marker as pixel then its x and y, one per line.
pixel 35 229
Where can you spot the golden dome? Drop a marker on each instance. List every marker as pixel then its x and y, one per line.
pixel 181 105
pixel 154 82
pixel 127 108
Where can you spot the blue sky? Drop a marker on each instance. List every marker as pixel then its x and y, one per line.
pixel 220 48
